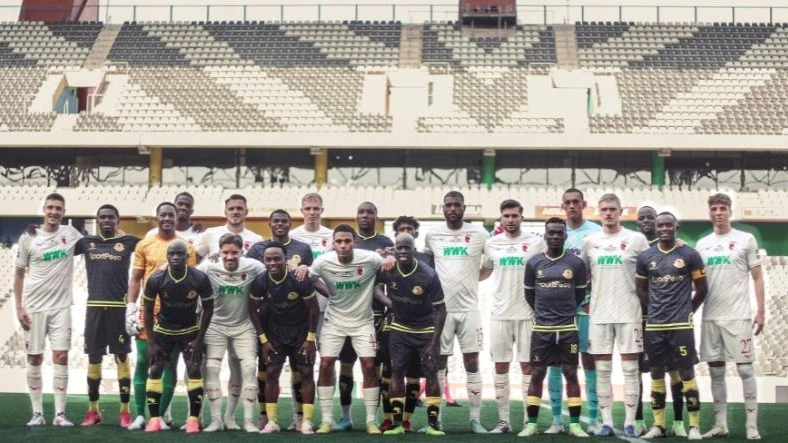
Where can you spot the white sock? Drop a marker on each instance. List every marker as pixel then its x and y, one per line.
pixel 60 386
pixel 442 386
pixel 524 385
pixel 346 412
pixel 213 391
pixel 34 388
pixel 325 396
pixel 371 396
pixel 233 388
pixel 631 390
pixel 502 396
pixel 750 388
pixel 719 392
pixel 473 381
pixel 249 396
pixel 604 389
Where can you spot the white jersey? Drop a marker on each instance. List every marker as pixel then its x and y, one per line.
pixel 458 255
pixel 350 287
pixel 231 289
pixel 49 260
pixel 321 241
pixel 611 260
pixel 209 242
pixel 507 257
pixel 728 260
pixel 189 235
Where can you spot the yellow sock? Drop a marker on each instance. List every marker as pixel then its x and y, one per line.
pixel 693 402
pixel 94 407
pixel 658 401
pixel 124 371
pixel 434 401
pixel 154 385
pixel 272 409
pixel 533 401
pixel 124 407
pixel 309 409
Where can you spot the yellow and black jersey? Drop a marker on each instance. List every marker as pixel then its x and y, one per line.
pixel 178 299
pixel 414 296
pixel 107 262
pixel 282 299
pixel 555 282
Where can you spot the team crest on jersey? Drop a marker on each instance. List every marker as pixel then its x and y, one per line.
pixel 623 246
pixel 292 295
pixel 652 265
pixel 467 238
pixel 678 264
pixel 294 261
pixel 323 242
pixel 567 274
pixel 539 273
pixel 360 270
pixel 243 276
pixel 731 245
pixel 525 247
pixel 119 247
pixel 191 295
pixel 92 245
pixel 247 245
pixel 417 290
pixel 394 285
pixel 64 240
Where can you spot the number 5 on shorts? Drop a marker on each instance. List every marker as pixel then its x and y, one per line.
pixel 683 351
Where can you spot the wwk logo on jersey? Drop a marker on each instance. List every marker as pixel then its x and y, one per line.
pixel 347 285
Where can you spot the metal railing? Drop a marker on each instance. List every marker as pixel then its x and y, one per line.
pixel 415 13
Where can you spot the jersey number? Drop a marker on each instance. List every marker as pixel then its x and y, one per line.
pixel 573 348
pixel 638 335
pixel 683 351
pixel 746 346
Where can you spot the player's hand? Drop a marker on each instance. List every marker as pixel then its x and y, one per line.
pixel 268 351
pixel 388 263
pixel 301 272
pixel 308 352
pixel 24 317
pixel 132 319
pixel 31 230
pixel 758 322
pixel 429 359
pixel 196 349
pixel 197 228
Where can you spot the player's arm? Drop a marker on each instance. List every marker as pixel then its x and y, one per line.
pixel 760 314
pixel 641 283
pixel 581 283
pixel 256 293
pixel 308 349
pixel 439 306
pixel 22 262
pixel 149 300
pixel 206 301
pixel 487 264
pixel 529 285
pixel 381 297
pixel 484 273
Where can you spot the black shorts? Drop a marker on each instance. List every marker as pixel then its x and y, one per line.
pixel 287 352
pixel 406 349
pixel 348 354
pixel 106 327
pixel 672 349
pixel 174 343
pixel 555 348
pixel 287 340
pixel 643 364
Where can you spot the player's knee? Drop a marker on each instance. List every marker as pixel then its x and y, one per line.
pixel 745 371
pixel 121 358
pixel 272 372
pixel 686 373
pixel 570 372
pixel 502 367
pixel 35 359
pixel 156 370
pixel 95 359
pixel 60 357
pixel 471 361
pixel 368 367
pixel 193 371
pixel 212 368
pixel 538 373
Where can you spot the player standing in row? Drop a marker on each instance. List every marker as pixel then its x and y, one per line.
pixel 369 240
pixel 184 206
pixel 511 319
pixel 457 248
pixel 296 253
pixel 666 273
pixel 350 277
pixel 43 303
pixel 176 329
pixel 149 255
pixel 231 329
pixel 646 222
pixel 286 330
pixel 615 316
pixel 731 257
pixel 317 236
pixel 235 212
pixel 107 261
pixel 413 293
pixel 555 285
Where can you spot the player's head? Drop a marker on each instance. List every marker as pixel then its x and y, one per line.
pixel 511 216
pixel 165 216
pixel 176 254
pixel 344 242
pixel 312 209
pixel 367 216
pixel 279 222
pixel 609 208
pixel 108 218
pixel 274 258
pixel 666 226
pixel 555 233
pixel 406 223
pixel 647 217
pixel 720 207
pixel 184 204
pixel 231 248
pixel 573 203
pixel 54 209
pixel 405 248
pixel 235 210
pixel 453 207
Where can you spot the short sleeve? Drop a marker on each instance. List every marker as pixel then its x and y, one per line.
pixel 581 277
pixel 205 289
pixel 255 252
pixel 697 267
pixel 307 259
pixel 436 290
pixel 203 266
pixel 204 247
pixel 258 288
pixel 529 282
pixel 191 260
pixel 151 287
pixel 23 251
pixel 316 270
pixel 641 270
pixel 584 252
pixel 306 289
pixel 487 261
pixel 79 247
pixel 753 258
pixel 427 246
pixel 139 256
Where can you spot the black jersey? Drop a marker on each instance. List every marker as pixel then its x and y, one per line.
pixel 670 275
pixel 413 297
pixel 107 262
pixel 283 299
pixel 555 282
pixel 298 252
pixel 377 243
pixel 178 299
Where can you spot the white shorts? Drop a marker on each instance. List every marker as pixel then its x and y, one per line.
pixel 56 324
pixel 727 340
pixel 505 334
pixel 240 341
pixel 603 337
pixel 363 339
pixel 467 326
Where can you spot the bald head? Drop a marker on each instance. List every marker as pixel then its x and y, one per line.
pixel 404 247
pixel 404 239
pixel 176 254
